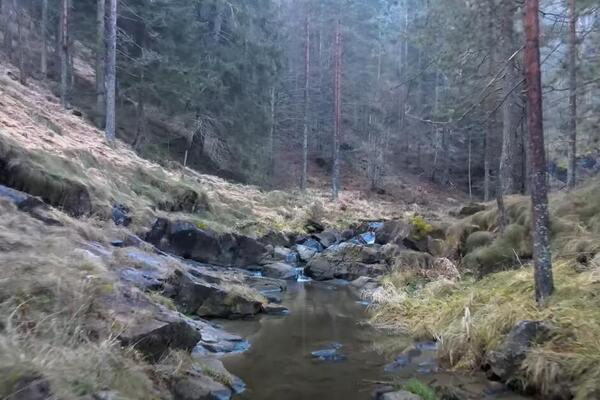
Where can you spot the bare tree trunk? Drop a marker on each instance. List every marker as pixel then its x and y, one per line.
pixel 542 258
pixel 64 52
pixel 272 136
pixel 7 18
pixel 469 167
pixel 218 23
pixel 100 61
pixel 18 10
pixel 572 177
pixel 44 34
pixel 111 71
pixel 510 108
pixel 304 181
pixel 337 111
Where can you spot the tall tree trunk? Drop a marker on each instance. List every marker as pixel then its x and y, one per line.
pixel 111 71
pixel 7 18
pixel 44 34
pixel 510 108
pixel 491 126
pixel 272 136
pixel 218 23
pixel 64 52
pixel 18 10
pixel 542 259
pixel 100 60
pixel 572 177
pixel 304 181
pixel 335 182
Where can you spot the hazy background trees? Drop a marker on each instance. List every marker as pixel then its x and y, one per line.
pixel 248 89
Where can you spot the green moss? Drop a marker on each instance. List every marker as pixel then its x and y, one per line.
pixel 419 227
pixel 419 388
pixel 477 240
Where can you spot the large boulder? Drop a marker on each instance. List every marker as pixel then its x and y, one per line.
pixel 504 363
pixel 327 238
pixel 194 295
pixel 347 261
pixel 154 329
pixel 279 270
pixel 186 240
pixel 392 232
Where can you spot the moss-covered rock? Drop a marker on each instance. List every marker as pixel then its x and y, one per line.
pixel 478 239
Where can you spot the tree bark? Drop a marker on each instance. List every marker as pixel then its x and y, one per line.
pixel 510 108
pixel 335 182
pixel 542 260
pixel 572 168
pixel 100 60
pixel 64 52
pixel 304 180
pixel 111 71
pixel 272 136
pixel 44 34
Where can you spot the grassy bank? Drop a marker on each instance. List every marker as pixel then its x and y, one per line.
pixel 472 316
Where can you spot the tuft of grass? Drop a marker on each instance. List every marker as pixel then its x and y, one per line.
pixel 420 227
pixel 419 388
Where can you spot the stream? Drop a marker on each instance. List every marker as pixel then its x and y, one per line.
pixel 349 355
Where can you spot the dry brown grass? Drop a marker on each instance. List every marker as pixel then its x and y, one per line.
pixel 48 293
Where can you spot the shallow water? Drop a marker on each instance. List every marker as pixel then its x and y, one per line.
pixel 279 364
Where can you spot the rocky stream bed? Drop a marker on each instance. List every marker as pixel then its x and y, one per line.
pixel 281 316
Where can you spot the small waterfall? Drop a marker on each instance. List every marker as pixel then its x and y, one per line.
pixel 300 276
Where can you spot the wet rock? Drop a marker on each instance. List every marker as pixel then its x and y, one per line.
pixel 34 206
pixel 305 253
pixel 154 330
pixel 204 299
pixel 367 238
pixel 506 360
pixel 332 353
pixel 327 238
pixel 279 271
pixel 28 387
pixel 275 309
pixel 184 239
pixel 347 234
pixel 322 269
pixel 214 367
pixel 120 215
pixel 400 395
pixel 281 253
pixel 195 385
pixel 347 261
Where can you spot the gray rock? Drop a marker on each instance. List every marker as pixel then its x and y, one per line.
pixel 275 309
pixel 400 395
pixel 196 296
pixel 198 386
pixel 34 206
pixel 327 238
pixel 392 232
pixel 154 330
pixel 279 270
pixel 305 253
pixel 120 215
pixel 506 360
pixel 347 261
pixel 185 240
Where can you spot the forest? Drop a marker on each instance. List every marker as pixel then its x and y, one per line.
pixel 268 199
